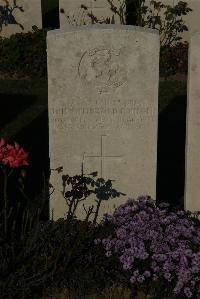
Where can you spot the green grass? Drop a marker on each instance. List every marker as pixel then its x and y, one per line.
pixel 21 102
pixel 169 90
pixel 25 87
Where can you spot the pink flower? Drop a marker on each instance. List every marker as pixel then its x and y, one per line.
pixel 13 155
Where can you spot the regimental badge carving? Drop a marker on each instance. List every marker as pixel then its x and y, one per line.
pixel 100 68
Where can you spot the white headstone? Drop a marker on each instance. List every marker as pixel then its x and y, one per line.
pixel 103 108
pixel 75 14
pixel 20 17
pixel 192 173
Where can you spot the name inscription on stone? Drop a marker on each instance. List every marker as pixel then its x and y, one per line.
pixel 131 114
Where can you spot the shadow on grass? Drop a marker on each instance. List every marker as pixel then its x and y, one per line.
pixel 171 152
pixel 12 105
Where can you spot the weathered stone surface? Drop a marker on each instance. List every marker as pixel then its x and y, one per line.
pixel 192 173
pixel 103 106
pixel 76 15
pixel 192 20
pixel 30 16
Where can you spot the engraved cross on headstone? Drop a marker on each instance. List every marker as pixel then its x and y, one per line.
pixel 101 156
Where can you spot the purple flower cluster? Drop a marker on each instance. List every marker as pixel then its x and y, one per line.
pixel 156 244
